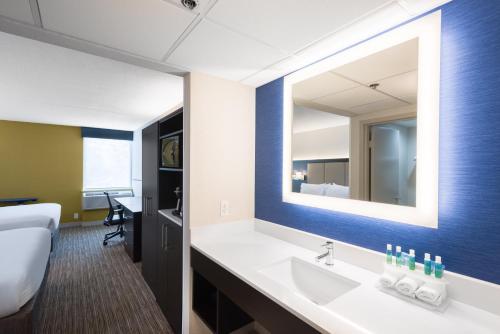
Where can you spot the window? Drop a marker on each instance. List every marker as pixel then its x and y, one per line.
pixel 106 163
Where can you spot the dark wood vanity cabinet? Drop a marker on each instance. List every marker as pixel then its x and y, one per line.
pixel 224 302
pixel 170 270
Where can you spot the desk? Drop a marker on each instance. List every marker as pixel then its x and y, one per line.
pixel 17 201
pixel 132 214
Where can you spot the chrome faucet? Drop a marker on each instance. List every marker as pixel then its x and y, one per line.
pixel 328 255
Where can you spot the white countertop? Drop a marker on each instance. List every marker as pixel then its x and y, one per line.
pixel 168 214
pixel 134 204
pixel 241 250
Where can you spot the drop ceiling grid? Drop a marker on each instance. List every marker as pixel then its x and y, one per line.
pixel 289 25
pixel 146 28
pixel 241 57
pixel 17 9
pixel 225 19
pixel 295 60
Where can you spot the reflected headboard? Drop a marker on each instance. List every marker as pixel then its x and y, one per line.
pixel 324 171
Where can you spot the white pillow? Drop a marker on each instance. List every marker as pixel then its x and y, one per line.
pixel 336 190
pixel 312 189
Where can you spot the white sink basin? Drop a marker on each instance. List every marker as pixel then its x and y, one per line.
pixel 319 285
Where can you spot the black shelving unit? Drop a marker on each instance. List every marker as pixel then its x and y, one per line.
pixel 162 238
pixel 171 169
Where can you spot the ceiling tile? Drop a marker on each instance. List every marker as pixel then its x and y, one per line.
pixel 215 50
pixel 289 25
pixel 17 9
pixel 371 25
pixel 61 86
pixel 321 85
pixel 395 60
pixel 350 98
pixel 147 27
pixel 403 86
pixel 387 103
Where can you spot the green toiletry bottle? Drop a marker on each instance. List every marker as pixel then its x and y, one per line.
pixel 438 267
pixel 399 257
pixel 411 260
pixel 388 254
pixel 427 264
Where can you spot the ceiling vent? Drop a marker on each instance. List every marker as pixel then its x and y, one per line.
pixel 189 4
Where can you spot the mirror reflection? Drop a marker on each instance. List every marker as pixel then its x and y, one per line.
pixel 354 129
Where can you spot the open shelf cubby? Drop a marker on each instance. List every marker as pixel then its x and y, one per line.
pixel 217 311
pixel 171 124
pixel 205 301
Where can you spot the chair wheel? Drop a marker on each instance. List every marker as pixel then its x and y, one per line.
pixel 104 243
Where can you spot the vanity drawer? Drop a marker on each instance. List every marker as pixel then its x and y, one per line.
pixel 269 314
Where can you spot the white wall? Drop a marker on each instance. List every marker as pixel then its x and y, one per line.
pixel 329 143
pixel 219 151
pixel 222 141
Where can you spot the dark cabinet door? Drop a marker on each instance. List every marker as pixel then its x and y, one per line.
pixel 128 229
pixel 150 206
pixel 170 272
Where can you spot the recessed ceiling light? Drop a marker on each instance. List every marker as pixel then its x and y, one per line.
pixel 190 4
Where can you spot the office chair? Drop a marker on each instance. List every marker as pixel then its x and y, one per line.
pixel 111 219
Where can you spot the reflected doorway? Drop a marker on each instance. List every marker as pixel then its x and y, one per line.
pixel 392 162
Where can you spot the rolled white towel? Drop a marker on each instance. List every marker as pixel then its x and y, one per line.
pixel 433 294
pixel 389 279
pixel 407 286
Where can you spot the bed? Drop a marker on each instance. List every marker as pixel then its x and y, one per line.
pixel 23 266
pixel 31 215
pixel 325 189
pixel 45 215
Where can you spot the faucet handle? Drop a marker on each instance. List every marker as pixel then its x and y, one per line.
pixel 328 245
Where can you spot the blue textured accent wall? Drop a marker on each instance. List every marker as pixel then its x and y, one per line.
pixel 468 236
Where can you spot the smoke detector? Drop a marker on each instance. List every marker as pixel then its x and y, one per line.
pixel 189 4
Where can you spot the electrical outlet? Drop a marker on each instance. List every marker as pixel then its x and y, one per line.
pixel 76 216
pixel 224 208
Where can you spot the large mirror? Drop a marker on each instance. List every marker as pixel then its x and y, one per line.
pixel 367 107
pixel 361 128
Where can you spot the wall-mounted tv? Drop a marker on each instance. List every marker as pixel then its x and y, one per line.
pixel 171 151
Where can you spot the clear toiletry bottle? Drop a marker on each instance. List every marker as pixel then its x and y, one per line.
pixel 399 258
pixel 427 264
pixel 411 260
pixel 388 254
pixel 438 267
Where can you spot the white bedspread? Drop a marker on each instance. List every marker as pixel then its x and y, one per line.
pixel 32 215
pixel 23 258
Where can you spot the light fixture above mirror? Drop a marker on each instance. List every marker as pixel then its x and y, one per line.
pixel 356 123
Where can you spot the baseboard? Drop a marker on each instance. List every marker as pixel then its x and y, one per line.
pixel 80 224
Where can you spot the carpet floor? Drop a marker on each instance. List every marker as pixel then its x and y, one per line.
pixel 93 288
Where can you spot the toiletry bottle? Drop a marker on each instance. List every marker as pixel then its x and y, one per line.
pixel 411 260
pixel 427 264
pixel 388 254
pixel 438 267
pixel 399 258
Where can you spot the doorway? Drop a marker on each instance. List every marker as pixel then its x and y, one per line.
pixel 392 162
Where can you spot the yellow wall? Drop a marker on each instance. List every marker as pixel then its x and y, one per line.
pixel 44 161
